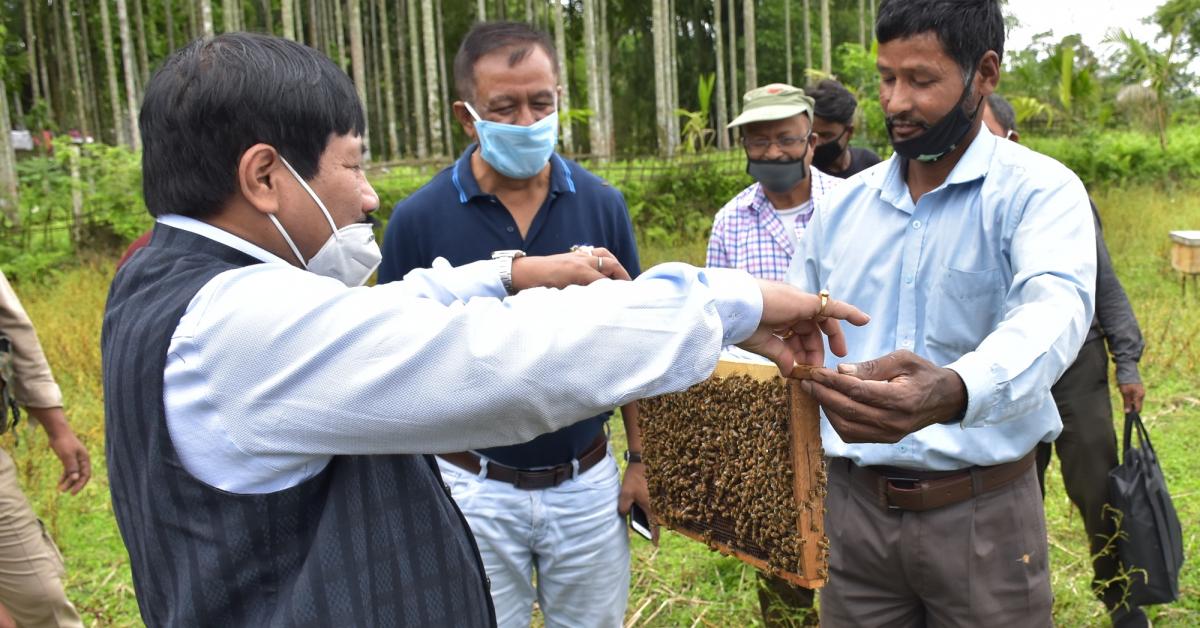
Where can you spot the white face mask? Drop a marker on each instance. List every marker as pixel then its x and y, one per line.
pixel 350 254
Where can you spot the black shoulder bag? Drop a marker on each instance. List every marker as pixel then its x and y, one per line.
pixel 10 412
pixel 1149 539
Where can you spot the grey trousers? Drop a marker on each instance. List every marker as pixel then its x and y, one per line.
pixel 1087 449
pixel 978 563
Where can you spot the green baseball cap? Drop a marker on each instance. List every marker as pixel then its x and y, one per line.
pixel 773 102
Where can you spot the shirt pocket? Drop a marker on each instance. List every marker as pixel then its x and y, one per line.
pixel 965 306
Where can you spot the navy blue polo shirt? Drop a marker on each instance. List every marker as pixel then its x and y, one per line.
pixel 451 217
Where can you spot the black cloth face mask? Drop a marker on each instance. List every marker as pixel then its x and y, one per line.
pixel 778 176
pixel 827 154
pixel 943 137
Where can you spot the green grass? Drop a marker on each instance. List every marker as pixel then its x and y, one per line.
pixel 681 583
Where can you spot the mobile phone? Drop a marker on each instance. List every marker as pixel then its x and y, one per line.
pixel 640 522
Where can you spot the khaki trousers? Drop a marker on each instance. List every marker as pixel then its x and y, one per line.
pixel 978 563
pixel 31 569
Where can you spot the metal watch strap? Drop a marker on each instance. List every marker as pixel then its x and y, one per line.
pixel 504 262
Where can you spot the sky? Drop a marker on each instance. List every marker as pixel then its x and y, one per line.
pixel 1092 19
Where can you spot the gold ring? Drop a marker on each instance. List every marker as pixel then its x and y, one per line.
pixel 824 294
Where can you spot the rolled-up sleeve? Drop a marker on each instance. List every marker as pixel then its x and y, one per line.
pixel 33 384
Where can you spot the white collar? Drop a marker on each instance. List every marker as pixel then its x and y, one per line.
pixel 222 236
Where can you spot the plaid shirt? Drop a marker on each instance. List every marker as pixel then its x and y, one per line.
pixel 748 234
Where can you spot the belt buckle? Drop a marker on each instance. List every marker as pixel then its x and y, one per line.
pixel 523 480
pixel 890 482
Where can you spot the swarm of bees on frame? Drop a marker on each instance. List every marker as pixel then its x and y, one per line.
pixel 719 465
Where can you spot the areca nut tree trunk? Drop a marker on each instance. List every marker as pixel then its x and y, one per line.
pixel 231 11
pixel 447 135
pixel 76 79
pixel 358 61
pixel 808 62
pixel 862 23
pixel 131 93
pixel 206 18
pixel 287 11
pixel 660 84
pixel 564 80
pixel 139 25
pixel 406 127
pixel 787 39
pixel 719 97
pixel 596 120
pixel 433 100
pixel 735 92
pixel 31 56
pixel 389 96
pixel 339 28
pixel 673 83
pixel 419 113
pixel 826 40
pixel 610 139
pixel 110 67
pixel 751 53
pixel 9 193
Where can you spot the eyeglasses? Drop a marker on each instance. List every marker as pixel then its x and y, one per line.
pixel 760 145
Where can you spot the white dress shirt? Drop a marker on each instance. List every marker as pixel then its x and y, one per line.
pixel 273 370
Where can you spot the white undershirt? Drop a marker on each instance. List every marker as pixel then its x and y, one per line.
pixel 272 369
pixel 792 226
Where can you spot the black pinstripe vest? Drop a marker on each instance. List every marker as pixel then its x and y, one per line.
pixel 369 541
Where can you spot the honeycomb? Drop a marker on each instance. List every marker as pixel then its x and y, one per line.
pixel 736 463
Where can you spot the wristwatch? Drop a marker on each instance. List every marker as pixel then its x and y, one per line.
pixel 633 456
pixel 504 262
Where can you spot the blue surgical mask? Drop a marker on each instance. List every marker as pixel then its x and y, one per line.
pixel 517 152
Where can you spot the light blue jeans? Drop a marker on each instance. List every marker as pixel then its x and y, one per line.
pixel 570 534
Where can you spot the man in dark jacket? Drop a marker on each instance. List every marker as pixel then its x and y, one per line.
pixel 1087 446
pixel 266 415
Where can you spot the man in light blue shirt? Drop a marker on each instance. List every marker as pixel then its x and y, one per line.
pixel 976 259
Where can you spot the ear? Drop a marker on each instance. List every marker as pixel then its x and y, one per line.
pixel 257 174
pixel 987 77
pixel 464 118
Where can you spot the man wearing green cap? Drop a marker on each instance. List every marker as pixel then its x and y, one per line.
pixel 759 231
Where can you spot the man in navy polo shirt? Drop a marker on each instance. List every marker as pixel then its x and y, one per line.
pixel 554 503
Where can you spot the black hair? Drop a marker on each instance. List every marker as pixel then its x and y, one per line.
pixel 217 97
pixel 488 37
pixel 833 101
pixel 967 29
pixel 1002 111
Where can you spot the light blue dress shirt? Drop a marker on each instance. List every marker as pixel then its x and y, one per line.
pixel 991 274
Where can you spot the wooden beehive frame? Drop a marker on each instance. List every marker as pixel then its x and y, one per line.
pixel 807 459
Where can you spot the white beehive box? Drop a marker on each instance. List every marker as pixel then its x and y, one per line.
pixel 1185 251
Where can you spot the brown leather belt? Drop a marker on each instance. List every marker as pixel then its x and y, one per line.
pixel 531 479
pixel 918 491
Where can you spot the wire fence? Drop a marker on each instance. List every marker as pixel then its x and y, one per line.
pixel 86 198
